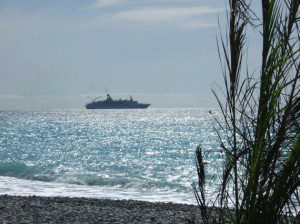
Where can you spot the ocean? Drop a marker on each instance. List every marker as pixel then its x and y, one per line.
pixel 118 154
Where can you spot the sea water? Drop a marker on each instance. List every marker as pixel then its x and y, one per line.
pixel 119 154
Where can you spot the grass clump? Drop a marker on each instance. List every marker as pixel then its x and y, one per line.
pixel 259 132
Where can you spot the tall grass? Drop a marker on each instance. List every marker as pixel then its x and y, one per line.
pixel 260 127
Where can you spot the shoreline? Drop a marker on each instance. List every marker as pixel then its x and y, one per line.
pixel 23 187
pixel 37 209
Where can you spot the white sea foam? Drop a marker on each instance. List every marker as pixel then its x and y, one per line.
pixel 15 186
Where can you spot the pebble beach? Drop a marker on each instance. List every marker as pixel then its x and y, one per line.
pixel 33 209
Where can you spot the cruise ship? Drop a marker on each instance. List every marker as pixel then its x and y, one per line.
pixel 109 103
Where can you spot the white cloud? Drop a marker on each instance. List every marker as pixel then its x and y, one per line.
pixel 166 14
pixel 104 3
pixel 197 24
pixel 186 17
pixel 108 3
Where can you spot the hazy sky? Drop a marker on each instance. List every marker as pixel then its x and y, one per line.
pixel 56 53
